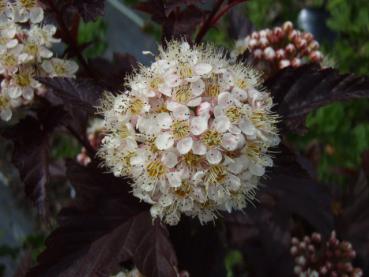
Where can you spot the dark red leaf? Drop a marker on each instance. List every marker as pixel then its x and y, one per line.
pixel 298 91
pixel 31 152
pixel 90 9
pixel 112 73
pixel 104 228
pixel 263 231
pixel 83 94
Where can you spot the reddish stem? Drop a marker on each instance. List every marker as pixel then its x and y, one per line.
pixel 208 22
pixel 217 13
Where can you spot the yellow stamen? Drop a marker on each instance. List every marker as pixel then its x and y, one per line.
pixel 183 94
pixel 31 49
pixel 28 4
pixel 234 114
pixel 156 169
pixel 3 102
pixel 180 129
pixel 155 83
pixel 212 87
pixel 184 190
pixel 215 175
pixel 123 131
pixel 242 84
pixel 211 138
pixel 192 160
pixel 185 71
pixel 9 60
pixel 136 106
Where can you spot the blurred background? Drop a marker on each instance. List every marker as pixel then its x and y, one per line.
pixel 338 136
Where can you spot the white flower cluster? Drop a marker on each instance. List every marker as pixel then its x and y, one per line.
pixel 192 131
pixel 25 53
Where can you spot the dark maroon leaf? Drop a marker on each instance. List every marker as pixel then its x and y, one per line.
pixel 179 19
pixel 31 152
pixel 298 91
pixel 263 231
pixel 90 9
pixel 105 227
pixel 351 205
pixel 112 73
pixel 204 243
pixel 83 94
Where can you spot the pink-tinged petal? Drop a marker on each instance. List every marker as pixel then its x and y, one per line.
pixel 184 145
pixel 172 80
pixel 194 102
pixel 164 141
pixel 181 112
pixel 166 90
pixel 203 109
pixel 221 124
pixel 164 120
pixel 214 156
pixel 199 125
pixel 202 68
pixel 198 148
pixel 235 130
pixel 197 87
pixel 193 79
pixel 247 127
pixel 225 99
pixel 234 182
pixel 229 142
pixel 174 179
pixel 257 169
pixel 170 159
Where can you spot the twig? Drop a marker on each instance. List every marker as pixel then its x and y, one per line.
pixel 208 23
pixel 217 13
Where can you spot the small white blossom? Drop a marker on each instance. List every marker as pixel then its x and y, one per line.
pixel 192 131
pixel 25 54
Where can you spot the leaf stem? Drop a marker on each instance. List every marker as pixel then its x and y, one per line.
pixel 90 150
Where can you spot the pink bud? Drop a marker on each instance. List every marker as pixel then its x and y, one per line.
pixel 316 56
pixel 284 63
pixel 280 54
pixel 269 53
pixel 258 53
pixel 287 26
pixel 296 62
pixel 290 48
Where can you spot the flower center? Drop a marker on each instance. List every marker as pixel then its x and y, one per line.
pixel 2 5
pixel 127 160
pixel 3 102
pixel 23 80
pixel 211 138
pixel 28 4
pixel 155 169
pixel 234 114
pixel 9 60
pixel 60 69
pixel 184 190
pixel 183 94
pixel 123 132
pixel 253 150
pixel 31 49
pixel 215 175
pixel 136 106
pixel 192 160
pixel 212 88
pixel 155 83
pixel 242 84
pixel 185 71
pixel 180 129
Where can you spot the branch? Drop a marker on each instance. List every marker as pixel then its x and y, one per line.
pixel 216 14
pixel 208 23
pixel 90 150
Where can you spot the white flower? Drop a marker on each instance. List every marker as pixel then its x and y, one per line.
pixel 25 53
pixel 60 68
pixel 199 133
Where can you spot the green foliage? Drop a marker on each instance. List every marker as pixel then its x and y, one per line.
pixel 93 34
pixel 232 259
pixel 64 146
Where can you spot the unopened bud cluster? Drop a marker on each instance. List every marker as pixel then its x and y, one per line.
pixel 280 47
pixel 25 54
pixel 316 257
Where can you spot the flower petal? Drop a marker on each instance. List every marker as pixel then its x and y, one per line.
pixel 214 156
pixel 184 145
pixel 221 124
pixel 202 68
pixel 164 141
pixel 199 124
pixel 198 148
pixel 198 87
